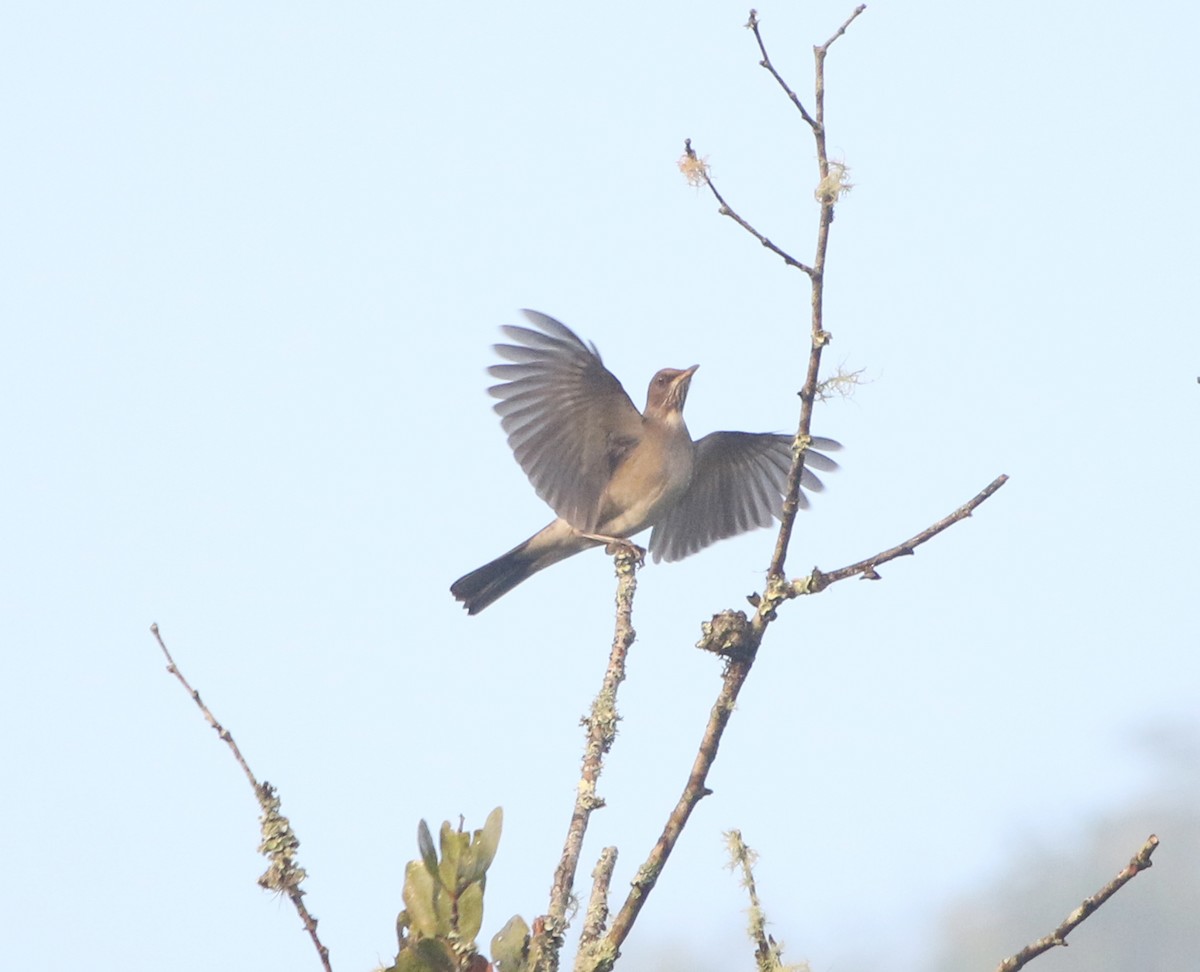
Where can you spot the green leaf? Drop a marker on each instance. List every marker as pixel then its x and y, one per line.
pixel 428 956
pixel 436 955
pixel 483 847
pixel 510 945
pixel 443 906
pixel 454 845
pixel 420 901
pixel 425 846
pixel 470 912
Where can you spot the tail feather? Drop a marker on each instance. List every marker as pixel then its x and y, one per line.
pixel 493 580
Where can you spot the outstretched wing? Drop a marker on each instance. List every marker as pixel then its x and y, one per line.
pixel 569 421
pixel 737 485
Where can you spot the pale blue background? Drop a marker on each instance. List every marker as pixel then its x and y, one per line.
pixel 253 257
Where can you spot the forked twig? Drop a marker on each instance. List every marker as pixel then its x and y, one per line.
pixel 820 52
pixel 736 638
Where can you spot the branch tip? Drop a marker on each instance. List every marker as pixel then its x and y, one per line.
pixel 1138 863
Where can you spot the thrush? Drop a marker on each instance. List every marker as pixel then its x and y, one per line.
pixel 609 471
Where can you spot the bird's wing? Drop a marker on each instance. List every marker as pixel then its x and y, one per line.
pixel 569 421
pixel 737 485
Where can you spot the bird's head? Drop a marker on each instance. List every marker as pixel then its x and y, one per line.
pixel 668 390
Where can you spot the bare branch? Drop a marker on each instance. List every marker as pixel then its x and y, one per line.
pixel 752 24
pixel 698 173
pixel 601 724
pixel 824 48
pixel 817 581
pixel 693 792
pixel 1138 863
pixel 279 843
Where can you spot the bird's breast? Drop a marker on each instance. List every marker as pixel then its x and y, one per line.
pixel 652 477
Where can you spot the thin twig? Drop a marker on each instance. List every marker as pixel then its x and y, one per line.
pixel 829 188
pixel 601 724
pixel 1138 863
pixel 824 48
pixel 818 580
pixel 697 165
pixel 279 842
pixel 767 953
pixel 819 130
pixel 752 24
pixel 212 720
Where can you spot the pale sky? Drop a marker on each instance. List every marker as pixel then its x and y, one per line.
pixel 254 257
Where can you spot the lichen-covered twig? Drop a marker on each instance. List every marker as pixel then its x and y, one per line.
pixel 601 724
pixel 279 843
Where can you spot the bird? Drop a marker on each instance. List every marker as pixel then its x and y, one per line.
pixel 609 471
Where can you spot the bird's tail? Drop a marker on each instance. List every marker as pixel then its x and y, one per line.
pixel 493 580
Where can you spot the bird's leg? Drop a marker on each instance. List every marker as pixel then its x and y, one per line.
pixel 613 544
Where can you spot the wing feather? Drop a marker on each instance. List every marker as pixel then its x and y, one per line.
pixel 738 484
pixel 563 411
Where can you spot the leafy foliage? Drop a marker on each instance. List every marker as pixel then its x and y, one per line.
pixel 443 905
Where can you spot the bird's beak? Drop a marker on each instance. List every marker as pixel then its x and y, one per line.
pixel 679 387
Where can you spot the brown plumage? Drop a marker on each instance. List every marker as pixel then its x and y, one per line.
pixel 609 472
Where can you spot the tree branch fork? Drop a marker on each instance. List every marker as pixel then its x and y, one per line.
pixel 731 634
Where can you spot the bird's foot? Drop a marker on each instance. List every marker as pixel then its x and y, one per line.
pixel 616 545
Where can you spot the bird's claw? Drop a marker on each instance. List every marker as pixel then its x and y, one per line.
pixel 619 546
